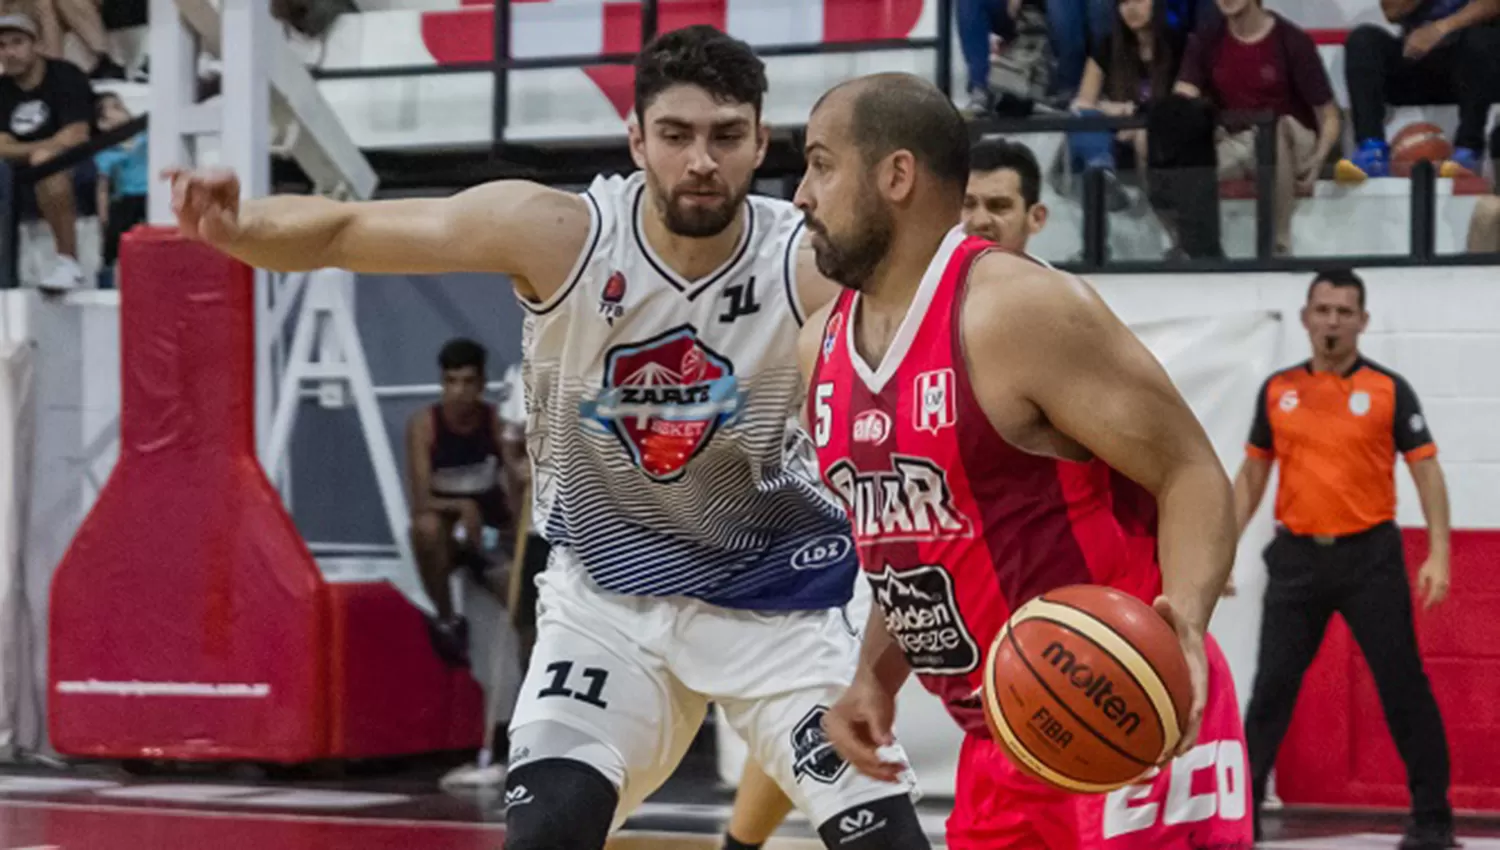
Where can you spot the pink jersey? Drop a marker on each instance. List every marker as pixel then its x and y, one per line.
pixel 955 527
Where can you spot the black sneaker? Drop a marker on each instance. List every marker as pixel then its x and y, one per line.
pixel 1429 836
pixel 450 639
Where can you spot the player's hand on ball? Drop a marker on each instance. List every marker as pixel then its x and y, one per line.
pixel 859 726
pixel 206 203
pixel 1197 658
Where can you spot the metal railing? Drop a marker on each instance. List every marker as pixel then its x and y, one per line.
pixel 1095 254
pixel 503 63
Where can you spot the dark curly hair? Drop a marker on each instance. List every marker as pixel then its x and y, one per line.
pixel 701 56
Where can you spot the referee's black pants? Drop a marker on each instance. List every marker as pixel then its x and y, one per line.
pixel 1362 577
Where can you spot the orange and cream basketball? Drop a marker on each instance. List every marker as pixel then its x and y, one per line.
pixel 1087 688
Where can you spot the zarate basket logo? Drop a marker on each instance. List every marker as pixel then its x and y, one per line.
pixel 665 399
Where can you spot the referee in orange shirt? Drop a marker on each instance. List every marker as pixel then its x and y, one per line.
pixel 1335 424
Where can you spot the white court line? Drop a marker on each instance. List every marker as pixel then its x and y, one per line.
pixel 165 811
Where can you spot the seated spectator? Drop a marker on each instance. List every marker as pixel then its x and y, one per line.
pixel 47 107
pixel 1448 52
pixel 83 18
pixel 124 177
pixel 1257 61
pixel 456 484
pixel 1079 26
pixel 1132 68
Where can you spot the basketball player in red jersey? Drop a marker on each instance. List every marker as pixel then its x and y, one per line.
pixel 994 432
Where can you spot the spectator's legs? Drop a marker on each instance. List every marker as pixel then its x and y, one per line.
pixel 1474 63
pixel 54 197
pixel 432 544
pixel 974 23
pixel 1484 227
pixel 1295 144
pixel 1371 55
pixel 1102 16
pixel 1067 26
pixel 82 17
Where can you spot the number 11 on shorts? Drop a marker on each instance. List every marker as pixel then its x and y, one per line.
pixel 563 670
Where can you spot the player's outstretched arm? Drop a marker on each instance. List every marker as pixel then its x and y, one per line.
pixel 510 227
pixel 1087 374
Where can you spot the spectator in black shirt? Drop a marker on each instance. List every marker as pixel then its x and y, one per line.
pixel 46 107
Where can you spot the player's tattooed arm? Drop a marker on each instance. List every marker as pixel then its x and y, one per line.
pixel 529 231
pixel 1074 369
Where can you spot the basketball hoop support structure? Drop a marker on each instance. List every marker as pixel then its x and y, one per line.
pixel 268 94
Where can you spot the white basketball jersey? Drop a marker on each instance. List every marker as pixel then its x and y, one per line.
pixel 663 419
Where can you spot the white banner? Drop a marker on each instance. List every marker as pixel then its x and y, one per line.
pixel 16 417
pixel 1217 364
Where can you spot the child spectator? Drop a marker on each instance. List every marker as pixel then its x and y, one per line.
pixel 1448 52
pixel 123 177
pixel 1257 61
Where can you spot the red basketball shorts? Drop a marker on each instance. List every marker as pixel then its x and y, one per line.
pixel 1201 799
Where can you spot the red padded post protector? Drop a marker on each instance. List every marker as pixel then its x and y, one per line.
pixel 188 619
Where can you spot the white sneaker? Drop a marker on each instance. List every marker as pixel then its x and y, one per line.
pixel 474 776
pixel 66 275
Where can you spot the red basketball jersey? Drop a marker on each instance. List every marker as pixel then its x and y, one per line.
pixel 956 527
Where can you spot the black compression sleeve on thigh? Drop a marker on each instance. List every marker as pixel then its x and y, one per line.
pixel 886 824
pixel 558 804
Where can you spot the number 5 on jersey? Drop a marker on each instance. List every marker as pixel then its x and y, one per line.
pixel 823 412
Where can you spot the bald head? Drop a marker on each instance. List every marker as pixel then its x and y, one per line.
pixel 892 111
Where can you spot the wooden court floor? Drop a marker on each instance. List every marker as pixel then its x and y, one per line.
pixel 69 811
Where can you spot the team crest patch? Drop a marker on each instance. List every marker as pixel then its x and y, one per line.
pixel 610 298
pixel 812 756
pixel 664 399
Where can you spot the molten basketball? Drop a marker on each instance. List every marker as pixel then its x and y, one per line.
pixel 1416 142
pixel 1086 688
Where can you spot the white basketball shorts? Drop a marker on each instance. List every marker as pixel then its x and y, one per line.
pixel 624 682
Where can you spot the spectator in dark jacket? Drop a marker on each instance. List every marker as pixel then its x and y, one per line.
pixel 1259 62
pixel 1448 52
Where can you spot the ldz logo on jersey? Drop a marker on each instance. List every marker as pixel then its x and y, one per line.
pixel 664 399
pixel 812 756
pixel 909 502
pixel 922 614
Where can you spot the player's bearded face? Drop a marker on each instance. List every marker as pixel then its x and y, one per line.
pixel 849 252
pixel 699 207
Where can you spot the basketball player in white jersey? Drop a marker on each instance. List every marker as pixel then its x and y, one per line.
pixel 695 557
